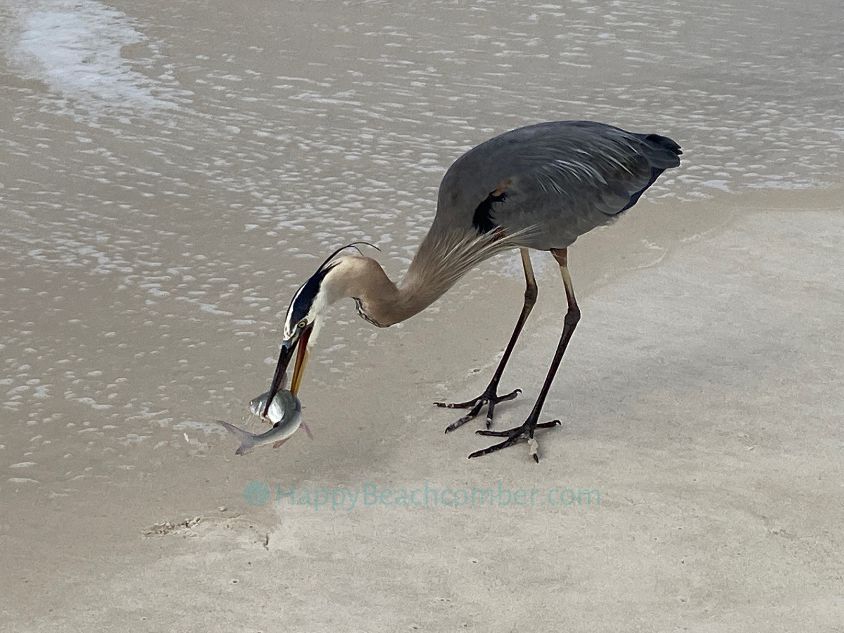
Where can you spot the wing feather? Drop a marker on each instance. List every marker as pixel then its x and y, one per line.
pixel 565 177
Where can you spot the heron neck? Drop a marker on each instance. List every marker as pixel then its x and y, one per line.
pixel 442 259
pixel 386 303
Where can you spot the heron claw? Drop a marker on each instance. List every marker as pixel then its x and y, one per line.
pixel 516 435
pixel 488 397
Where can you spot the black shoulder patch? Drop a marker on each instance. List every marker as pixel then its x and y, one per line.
pixel 482 219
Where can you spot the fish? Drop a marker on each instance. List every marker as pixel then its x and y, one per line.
pixel 285 413
pixel 277 407
pixel 280 404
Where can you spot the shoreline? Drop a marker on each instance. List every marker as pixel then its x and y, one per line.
pixel 683 404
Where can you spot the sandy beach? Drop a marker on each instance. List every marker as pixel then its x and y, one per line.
pixel 694 485
pixel 170 176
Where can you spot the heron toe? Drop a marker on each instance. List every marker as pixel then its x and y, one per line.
pixel 516 435
pixel 488 397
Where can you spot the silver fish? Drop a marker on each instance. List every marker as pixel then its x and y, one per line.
pixel 283 401
pixel 285 413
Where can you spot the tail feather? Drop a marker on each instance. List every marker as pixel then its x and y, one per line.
pixel 664 152
pixel 246 439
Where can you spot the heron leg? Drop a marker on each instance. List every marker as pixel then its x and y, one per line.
pixel 525 432
pixel 490 395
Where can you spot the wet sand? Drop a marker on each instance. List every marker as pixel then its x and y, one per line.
pixel 695 483
pixel 169 174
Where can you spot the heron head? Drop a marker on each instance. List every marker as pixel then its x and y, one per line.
pixel 303 319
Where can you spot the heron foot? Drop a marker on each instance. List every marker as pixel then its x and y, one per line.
pixel 488 397
pixel 516 435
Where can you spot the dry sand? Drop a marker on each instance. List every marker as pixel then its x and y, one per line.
pixel 170 171
pixel 701 403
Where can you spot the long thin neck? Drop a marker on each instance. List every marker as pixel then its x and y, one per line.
pixel 442 259
pixel 386 303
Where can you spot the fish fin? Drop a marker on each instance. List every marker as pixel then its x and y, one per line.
pixel 307 430
pixel 246 439
pixel 280 442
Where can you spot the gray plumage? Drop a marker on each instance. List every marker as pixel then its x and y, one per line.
pixel 564 177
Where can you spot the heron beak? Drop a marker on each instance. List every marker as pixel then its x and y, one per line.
pixel 284 355
pixel 301 361
pixel 285 352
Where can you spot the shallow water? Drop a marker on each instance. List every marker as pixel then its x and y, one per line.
pixel 170 171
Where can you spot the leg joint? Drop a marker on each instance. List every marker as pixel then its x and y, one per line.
pixel 531 293
pixel 573 315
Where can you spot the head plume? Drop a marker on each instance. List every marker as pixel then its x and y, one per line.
pixel 309 300
pixel 328 261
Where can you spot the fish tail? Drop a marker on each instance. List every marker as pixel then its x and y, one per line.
pixel 246 439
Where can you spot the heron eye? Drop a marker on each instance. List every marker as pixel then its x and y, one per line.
pixel 302 323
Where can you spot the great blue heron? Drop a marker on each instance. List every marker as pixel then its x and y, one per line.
pixel 536 187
